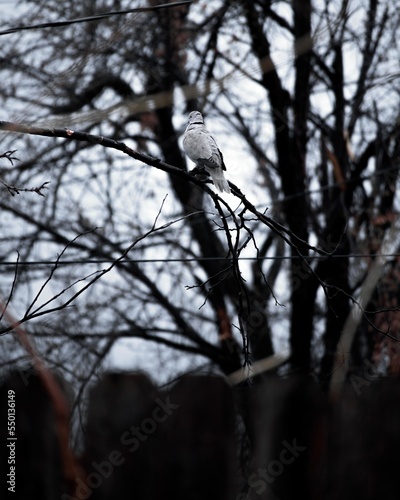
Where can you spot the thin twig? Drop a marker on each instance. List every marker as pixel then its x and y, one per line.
pixel 13 190
pixel 9 156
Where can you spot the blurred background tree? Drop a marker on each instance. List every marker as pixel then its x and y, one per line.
pixel 303 98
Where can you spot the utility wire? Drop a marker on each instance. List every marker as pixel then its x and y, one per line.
pixel 191 259
pixel 97 17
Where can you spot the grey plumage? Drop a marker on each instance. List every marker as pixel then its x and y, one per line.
pixel 201 148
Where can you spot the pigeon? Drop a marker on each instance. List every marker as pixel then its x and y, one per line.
pixel 200 146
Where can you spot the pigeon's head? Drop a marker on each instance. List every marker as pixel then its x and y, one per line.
pixel 195 117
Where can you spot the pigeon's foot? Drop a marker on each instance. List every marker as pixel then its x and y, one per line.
pixel 199 171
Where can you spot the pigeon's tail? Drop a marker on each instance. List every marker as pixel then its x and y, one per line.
pixel 219 180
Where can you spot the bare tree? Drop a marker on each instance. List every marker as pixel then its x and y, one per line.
pixel 304 99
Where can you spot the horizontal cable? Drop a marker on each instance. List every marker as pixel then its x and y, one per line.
pixel 97 17
pixel 191 259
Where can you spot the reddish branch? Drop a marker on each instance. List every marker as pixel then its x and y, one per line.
pixel 71 468
pixel 73 135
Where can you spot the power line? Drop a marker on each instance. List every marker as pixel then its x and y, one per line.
pixel 97 17
pixel 41 263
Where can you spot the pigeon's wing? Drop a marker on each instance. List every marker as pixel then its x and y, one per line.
pixel 216 159
pixel 216 154
pixel 211 156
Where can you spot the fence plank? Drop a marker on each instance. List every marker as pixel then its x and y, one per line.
pixel 285 415
pixel 118 460
pixel 201 440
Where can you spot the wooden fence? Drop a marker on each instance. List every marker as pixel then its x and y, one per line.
pixel 280 439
